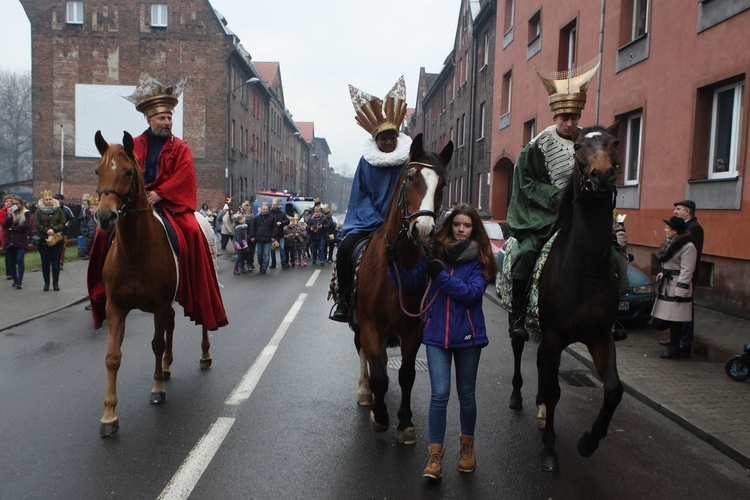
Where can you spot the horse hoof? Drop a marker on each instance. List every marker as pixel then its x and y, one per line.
pixel 364 399
pixel 205 364
pixel 375 425
pixel 166 375
pixel 541 423
pixel 158 398
pixel 587 445
pixel 549 462
pixel 407 436
pixel 516 402
pixel 109 429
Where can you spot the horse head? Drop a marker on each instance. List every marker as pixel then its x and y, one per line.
pixel 421 190
pixel 596 164
pixel 119 183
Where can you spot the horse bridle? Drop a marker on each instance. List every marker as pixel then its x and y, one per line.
pixel 585 186
pixel 406 217
pixel 125 208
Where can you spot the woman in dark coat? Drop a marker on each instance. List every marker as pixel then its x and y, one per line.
pixel 50 219
pixel 17 224
pixel 678 258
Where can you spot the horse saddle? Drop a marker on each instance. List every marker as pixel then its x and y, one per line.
pixel 506 283
pixel 168 229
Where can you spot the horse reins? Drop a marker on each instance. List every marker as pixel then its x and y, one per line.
pixel 406 218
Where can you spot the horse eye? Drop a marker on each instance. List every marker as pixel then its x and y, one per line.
pixel 129 173
pixel 96 171
pixel 576 146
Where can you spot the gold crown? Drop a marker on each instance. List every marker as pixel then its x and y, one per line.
pixel 567 89
pixel 376 117
pixel 151 97
pixel 46 194
pixel 93 201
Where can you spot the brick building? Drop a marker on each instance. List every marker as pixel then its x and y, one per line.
pixel 233 114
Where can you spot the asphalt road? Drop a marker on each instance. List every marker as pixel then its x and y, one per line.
pixel 276 416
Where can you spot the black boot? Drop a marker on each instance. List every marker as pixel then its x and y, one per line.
pixel 55 286
pixel 517 318
pixel 46 286
pixel 672 352
pixel 340 312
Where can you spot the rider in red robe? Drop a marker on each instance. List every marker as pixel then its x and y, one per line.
pixel 169 173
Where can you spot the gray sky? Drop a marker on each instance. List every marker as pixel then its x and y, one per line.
pixel 322 46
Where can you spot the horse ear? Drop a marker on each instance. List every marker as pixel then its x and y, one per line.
pixel 101 144
pixel 447 153
pixel 416 150
pixel 127 143
pixel 614 129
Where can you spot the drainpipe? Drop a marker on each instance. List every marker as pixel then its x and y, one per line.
pixel 601 51
pixel 472 144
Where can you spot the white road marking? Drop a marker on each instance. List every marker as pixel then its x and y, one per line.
pixel 187 476
pixel 314 277
pixel 191 470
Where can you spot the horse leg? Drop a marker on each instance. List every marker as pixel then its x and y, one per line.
pixel 374 350
pixel 166 362
pixel 109 424
pixel 548 364
pixel 364 394
pixel 516 400
pixel 162 321
pixel 205 362
pixel 603 355
pixel 406 375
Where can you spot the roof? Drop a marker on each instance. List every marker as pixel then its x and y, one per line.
pixel 306 131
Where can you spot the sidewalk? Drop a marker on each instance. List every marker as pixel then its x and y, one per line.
pixel 693 391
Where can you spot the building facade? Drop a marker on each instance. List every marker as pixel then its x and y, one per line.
pixel 234 118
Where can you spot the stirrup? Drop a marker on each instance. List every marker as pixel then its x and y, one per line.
pixel 518 330
pixel 339 312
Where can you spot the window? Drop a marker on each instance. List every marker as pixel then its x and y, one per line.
pixel 505 99
pixel 568 47
pixel 632 159
pixel 74 13
pixel 726 114
pixel 534 45
pixel 510 9
pixel 231 136
pixel 484 54
pixel 481 121
pixel 640 12
pixel 461 126
pixel 159 15
pixel 529 130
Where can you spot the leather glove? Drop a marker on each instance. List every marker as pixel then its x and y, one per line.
pixel 433 268
pixel 390 254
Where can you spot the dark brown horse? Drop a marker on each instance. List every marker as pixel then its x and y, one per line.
pixel 380 319
pixel 578 290
pixel 140 271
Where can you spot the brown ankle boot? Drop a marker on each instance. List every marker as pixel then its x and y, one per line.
pixel 467 461
pixel 434 467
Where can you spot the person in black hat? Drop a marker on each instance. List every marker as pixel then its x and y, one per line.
pixel 678 258
pixel 685 210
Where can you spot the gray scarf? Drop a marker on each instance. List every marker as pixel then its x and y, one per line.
pixel 461 251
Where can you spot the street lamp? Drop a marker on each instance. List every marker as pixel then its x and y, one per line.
pixel 229 169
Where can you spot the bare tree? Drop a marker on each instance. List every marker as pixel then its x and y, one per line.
pixel 15 126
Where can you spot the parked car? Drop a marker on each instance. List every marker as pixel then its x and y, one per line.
pixel 497 231
pixel 635 306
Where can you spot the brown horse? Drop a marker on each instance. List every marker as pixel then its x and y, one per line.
pixel 138 271
pixel 578 290
pixel 380 319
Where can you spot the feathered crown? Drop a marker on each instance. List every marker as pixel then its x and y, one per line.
pixel 151 97
pixel 567 89
pixel 46 194
pixel 375 117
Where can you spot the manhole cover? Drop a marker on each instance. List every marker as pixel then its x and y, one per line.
pixel 394 363
pixel 579 379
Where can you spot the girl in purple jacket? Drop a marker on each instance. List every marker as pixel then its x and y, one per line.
pixel 454 328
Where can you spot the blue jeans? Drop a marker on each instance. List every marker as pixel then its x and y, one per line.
pixel 318 248
pixel 467 364
pixel 15 256
pixel 264 253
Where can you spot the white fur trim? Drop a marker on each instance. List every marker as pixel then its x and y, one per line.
pixel 377 158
